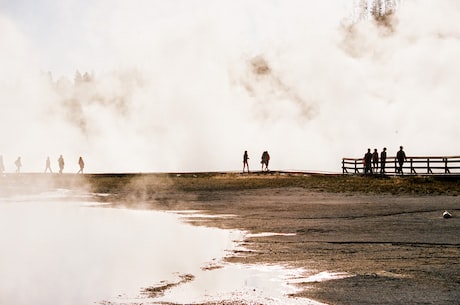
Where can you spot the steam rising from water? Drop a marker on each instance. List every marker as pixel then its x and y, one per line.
pixel 62 248
pixel 55 251
pixel 190 85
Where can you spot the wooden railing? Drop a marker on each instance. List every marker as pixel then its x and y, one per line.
pixel 432 165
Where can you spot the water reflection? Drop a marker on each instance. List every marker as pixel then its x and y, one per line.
pixel 243 284
pixel 56 251
pixel 64 248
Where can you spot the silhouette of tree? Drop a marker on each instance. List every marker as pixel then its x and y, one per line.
pixel 376 9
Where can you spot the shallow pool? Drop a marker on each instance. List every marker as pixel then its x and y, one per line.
pixel 64 248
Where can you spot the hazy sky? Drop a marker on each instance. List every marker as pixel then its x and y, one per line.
pixel 68 33
pixel 178 87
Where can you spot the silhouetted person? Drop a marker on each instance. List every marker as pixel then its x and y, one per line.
pixel 265 160
pixel 245 160
pixel 375 160
pixel 400 157
pixel 61 164
pixel 18 164
pixel 81 163
pixel 383 159
pixel 2 166
pixel 48 165
pixel 262 161
pixel 368 162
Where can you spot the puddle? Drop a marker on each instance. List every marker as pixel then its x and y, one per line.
pixel 251 284
pixel 63 248
pixel 191 214
pixel 322 277
pixel 268 234
pixel 247 284
pixel 63 252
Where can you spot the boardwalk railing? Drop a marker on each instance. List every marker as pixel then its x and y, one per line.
pixel 432 165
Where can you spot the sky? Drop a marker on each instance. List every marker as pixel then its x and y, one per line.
pixel 189 85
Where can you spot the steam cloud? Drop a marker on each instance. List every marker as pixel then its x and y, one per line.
pixel 190 85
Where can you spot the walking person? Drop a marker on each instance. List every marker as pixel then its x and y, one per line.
pixel 368 162
pixel 265 160
pixel 245 161
pixel 81 163
pixel 400 157
pixel 262 161
pixel 383 159
pixel 61 164
pixel 48 165
pixel 375 160
pixel 18 164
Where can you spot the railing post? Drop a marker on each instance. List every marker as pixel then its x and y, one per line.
pixel 428 168
pixel 412 170
pixel 356 167
pixel 344 170
pixel 446 169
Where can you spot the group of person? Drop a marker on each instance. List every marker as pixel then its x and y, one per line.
pixel 265 159
pixel 61 163
pixel 371 161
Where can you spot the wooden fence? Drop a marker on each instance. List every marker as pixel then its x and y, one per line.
pixel 412 166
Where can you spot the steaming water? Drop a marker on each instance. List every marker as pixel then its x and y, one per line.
pixel 58 248
pixel 189 85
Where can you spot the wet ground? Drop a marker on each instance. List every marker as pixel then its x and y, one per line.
pixel 399 249
pixel 387 234
pixel 396 244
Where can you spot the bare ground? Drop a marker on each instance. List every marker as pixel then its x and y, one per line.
pixel 388 232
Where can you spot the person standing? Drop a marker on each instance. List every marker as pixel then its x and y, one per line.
pixel 383 158
pixel 61 164
pixel 265 160
pixel 81 163
pixel 375 160
pixel 262 161
pixel 48 165
pixel 400 157
pixel 2 166
pixel 245 160
pixel 368 162
pixel 18 164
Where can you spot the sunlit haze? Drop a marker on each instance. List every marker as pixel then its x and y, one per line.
pixel 190 85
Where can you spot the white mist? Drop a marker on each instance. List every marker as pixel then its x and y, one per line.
pixel 56 251
pixel 175 90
